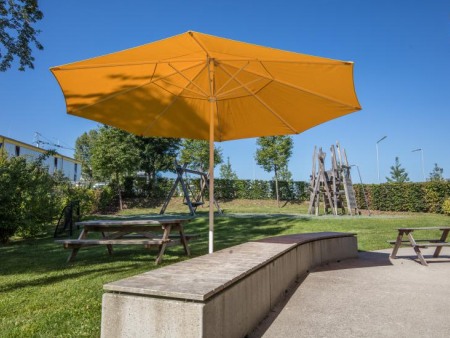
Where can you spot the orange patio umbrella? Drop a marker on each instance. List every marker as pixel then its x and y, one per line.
pixel 200 86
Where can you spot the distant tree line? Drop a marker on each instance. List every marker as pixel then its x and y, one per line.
pixel 398 174
pixel 112 155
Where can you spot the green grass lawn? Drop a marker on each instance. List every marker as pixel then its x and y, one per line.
pixel 42 296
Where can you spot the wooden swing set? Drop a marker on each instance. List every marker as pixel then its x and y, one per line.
pixel 191 198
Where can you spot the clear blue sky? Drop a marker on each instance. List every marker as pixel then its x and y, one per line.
pixel 401 51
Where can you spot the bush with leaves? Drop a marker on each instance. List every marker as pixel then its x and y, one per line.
pixel 107 200
pixel 27 199
pixel 446 207
pixel 11 181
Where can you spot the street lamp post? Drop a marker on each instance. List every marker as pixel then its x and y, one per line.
pixel 378 163
pixel 421 153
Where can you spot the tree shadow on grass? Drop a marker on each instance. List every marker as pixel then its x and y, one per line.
pixel 44 256
pixel 48 280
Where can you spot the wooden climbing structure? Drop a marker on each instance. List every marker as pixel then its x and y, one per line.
pixel 192 198
pixel 334 187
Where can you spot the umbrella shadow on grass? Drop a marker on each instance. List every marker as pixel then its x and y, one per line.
pixel 230 230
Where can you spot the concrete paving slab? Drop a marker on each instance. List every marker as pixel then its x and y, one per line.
pixel 371 296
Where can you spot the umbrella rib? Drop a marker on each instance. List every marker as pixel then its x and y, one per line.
pixel 152 81
pixel 329 63
pixel 123 64
pixel 70 67
pixel 190 81
pixel 200 44
pixel 162 112
pixel 302 89
pixel 224 94
pixel 179 87
pixel 183 88
pixel 231 78
pixel 266 106
pixel 177 96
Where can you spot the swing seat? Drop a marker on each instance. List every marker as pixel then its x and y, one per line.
pixel 195 204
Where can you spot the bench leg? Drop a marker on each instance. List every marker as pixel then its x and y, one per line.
pixel 397 245
pixel 442 239
pixel 185 245
pixel 184 241
pixel 420 256
pixel 110 248
pixel 162 248
pixel 417 250
pixel 72 255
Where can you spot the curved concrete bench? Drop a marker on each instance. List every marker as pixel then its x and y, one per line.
pixel 224 294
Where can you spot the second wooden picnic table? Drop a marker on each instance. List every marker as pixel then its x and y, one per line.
pixel 421 243
pixel 150 233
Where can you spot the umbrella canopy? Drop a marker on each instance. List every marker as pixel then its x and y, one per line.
pixel 199 86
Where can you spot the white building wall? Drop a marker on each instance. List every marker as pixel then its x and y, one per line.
pixel 69 167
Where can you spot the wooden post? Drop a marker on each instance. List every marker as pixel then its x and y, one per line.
pixel 213 112
pixel 336 184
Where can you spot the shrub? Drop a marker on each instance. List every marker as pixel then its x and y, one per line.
pixel 446 207
pixel 107 200
pixel 31 198
pixel 412 197
pixel 11 183
pixel 27 199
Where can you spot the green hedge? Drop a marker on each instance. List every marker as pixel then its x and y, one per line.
pixel 256 189
pixel 225 189
pixel 412 197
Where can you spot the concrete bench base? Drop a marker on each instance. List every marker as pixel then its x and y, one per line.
pixel 224 294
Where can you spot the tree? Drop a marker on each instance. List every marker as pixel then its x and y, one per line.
pixel 228 181
pixel 284 174
pixel 114 156
pixel 273 154
pixel 17 35
pixel 398 174
pixel 156 154
pixel 437 174
pixel 226 172
pixel 83 152
pixel 196 153
pixel 285 178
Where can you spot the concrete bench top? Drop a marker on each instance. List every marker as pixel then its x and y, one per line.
pixel 305 238
pixel 202 277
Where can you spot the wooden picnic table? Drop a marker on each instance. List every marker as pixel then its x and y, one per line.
pixel 150 233
pixel 439 243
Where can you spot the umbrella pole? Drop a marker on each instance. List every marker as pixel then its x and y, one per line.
pixel 213 107
pixel 211 179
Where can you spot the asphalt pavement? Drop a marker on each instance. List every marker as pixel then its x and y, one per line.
pixel 370 296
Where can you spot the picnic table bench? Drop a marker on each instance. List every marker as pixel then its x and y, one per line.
pixel 149 233
pixel 417 244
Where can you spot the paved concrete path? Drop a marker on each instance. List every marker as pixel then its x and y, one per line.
pixel 371 296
